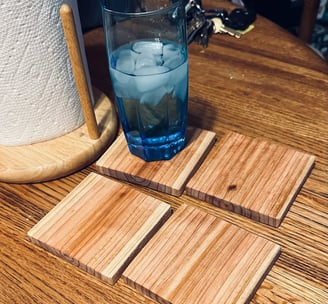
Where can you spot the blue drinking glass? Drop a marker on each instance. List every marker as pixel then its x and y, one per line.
pixel 146 44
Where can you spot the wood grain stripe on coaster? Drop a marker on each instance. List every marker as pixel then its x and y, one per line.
pixel 251 177
pixel 100 226
pixel 198 258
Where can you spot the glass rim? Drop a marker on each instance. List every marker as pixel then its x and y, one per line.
pixel 142 14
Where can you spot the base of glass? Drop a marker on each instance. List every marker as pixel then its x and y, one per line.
pixel 161 152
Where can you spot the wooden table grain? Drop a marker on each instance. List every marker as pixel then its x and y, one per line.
pixel 268 84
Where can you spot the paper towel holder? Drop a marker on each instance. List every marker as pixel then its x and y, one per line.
pixel 74 51
pixel 61 156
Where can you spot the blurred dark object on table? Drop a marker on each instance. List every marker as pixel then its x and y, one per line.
pixel 308 19
pixel 286 13
pixel 90 14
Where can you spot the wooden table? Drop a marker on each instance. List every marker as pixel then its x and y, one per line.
pixel 268 84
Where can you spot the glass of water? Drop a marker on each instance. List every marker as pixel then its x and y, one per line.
pixel 148 62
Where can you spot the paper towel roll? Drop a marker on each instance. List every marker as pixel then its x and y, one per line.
pixel 38 97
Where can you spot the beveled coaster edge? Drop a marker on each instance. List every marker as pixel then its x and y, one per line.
pixel 302 179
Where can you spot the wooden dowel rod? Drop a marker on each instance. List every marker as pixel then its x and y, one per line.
pixel 75 55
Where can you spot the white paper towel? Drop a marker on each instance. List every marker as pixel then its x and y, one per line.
pixel 38 97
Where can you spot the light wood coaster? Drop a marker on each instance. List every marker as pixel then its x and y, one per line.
pixel 198 258
pixel 252 177
pixel 100 226
pixel 62 155
pixel 168 176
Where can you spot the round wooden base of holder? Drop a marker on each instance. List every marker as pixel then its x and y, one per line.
pixel 63 155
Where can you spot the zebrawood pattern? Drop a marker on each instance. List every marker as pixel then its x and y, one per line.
pixel 198 258
pixel 252 177
pixel 265 86
pixel 166 176
pixel 100 226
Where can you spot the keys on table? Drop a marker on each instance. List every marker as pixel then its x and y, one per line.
pixel 201 23
pixel 219 27
pixel 204 34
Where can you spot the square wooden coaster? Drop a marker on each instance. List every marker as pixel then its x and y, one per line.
pixel 169 176
pixel 100 226
pixel 198 258
pixel 251 177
